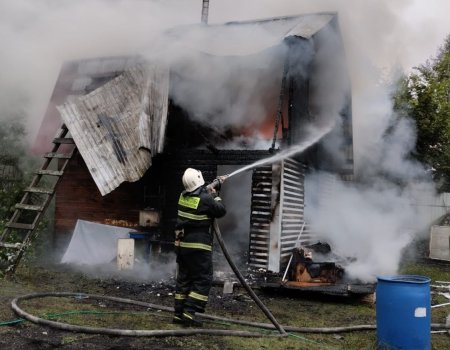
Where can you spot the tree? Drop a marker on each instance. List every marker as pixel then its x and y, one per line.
pixel 424 95
pixel 12 157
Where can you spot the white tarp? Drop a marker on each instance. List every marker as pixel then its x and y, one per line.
pixel 93 243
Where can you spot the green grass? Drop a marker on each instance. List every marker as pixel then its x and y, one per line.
pixel 436 272
pixel 301 311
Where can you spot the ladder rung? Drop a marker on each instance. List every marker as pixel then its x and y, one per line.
pixel 57 155
pixel 64 140
pixel 39 190
pixel 20 226
pixel 29 207
pixel 11 245
pixel 50 172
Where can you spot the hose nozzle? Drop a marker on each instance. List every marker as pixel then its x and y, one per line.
pixel 217 182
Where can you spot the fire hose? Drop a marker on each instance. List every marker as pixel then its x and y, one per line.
pixel 162 333
pixel 184 332
pixel 216 184
pixel 244 283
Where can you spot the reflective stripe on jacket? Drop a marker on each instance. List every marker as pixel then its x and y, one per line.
pixel 196 212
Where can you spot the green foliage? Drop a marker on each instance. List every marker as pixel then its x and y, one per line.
pixel 13 177
pixel 425 96
pixel 12 157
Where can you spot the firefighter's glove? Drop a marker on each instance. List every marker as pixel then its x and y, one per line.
pixel 179 234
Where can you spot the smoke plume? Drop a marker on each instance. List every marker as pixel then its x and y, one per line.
pixel 376 220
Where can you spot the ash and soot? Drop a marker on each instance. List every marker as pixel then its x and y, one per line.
pixel 371 220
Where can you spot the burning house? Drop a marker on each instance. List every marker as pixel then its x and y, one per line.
pixel 220 98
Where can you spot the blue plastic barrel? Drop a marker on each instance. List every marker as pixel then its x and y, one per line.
pixel 403 308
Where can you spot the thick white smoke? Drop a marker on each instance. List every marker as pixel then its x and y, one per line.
pixel 38 36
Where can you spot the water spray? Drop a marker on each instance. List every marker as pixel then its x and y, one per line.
pixel 302 146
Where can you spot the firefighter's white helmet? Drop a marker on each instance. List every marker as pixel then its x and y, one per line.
pixel 192 179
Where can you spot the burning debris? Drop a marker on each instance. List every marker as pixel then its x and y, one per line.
pixel 305 271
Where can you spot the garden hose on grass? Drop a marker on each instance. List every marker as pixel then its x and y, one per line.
pixel 162 333
pixel 115 331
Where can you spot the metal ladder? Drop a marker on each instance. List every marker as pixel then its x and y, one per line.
pixel 22 226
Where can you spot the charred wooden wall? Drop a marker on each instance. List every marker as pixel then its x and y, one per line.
pixel 77 197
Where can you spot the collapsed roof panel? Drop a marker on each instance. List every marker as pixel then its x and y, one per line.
pixel 77 78
pixel 120 125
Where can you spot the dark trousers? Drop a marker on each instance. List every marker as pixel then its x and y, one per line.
pixel 194 280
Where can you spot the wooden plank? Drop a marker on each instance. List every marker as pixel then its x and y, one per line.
pixel 63 140
pixel 261 189
pixel 58 155
pixel 125 254
pixel 261 207
pixel 256 262
pixel 20 226
pixel 11 245
pixel 257 220
pixel 39 190
pixel 253 253
pixel 261 214
pixel 260 229
pixel 262 196
pixel 261 246
pixel 50 172
pixel 265 203
pixel 29 207
pixel 255 236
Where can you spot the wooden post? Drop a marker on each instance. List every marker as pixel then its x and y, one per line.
pixel 125 253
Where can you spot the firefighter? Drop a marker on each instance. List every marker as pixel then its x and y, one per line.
pixel 198 206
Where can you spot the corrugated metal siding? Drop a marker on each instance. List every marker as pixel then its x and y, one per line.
pixel 116 125
pixel 292 207
pixel 277 214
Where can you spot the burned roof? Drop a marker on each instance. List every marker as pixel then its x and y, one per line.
pixel 116 110
pixel 249 37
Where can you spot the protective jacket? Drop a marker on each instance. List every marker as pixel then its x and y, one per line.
pixel 196 212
